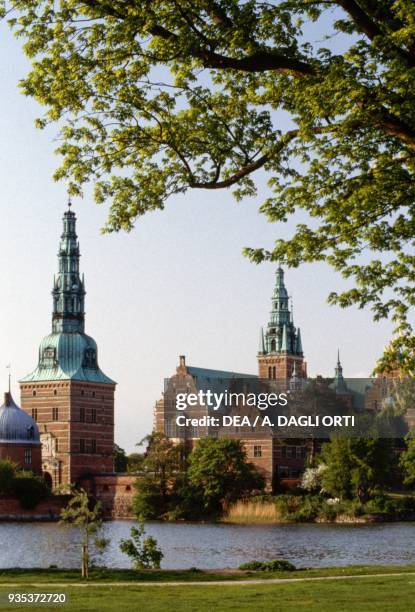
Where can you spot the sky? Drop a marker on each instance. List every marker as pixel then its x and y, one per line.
pixel 178 284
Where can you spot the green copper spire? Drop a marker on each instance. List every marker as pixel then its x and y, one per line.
pixel 68 353
pixel 281 334
pixel 339 383
pixel 68 287
pixel 261 348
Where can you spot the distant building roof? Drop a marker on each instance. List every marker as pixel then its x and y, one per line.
pixel 68 356
pixel 16 426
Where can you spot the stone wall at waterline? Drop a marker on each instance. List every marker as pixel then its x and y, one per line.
pixel 46 510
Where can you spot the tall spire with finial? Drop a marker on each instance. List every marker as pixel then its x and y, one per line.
pixel 68 287
pixel 339 382
pixel 281 336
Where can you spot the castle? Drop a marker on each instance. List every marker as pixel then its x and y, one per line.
pixel 65 428
pixel 281 364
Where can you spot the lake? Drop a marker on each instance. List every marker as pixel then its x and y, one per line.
pixel 210 546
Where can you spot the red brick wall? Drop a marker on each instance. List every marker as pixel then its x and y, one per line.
pixel 284 365
pixel 71 399
pixel 115 492
pixel 49 509
pixel 16 453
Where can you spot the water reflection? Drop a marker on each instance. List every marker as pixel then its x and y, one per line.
pixel 217 546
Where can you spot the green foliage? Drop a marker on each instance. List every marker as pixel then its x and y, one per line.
pixel 29 489
pixel 407 459
pixel 357 467
pixel 135 462
pixel 162 464
pixel 277 565
pixel 120 459
pixel 86 516
pixel 144 552
pixel 219 471
pixel 155 99
pixel 215 474
pixel 7 473
pixel 26 486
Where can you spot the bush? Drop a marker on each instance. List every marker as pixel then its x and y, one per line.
pixel 29 489
pixel 143 551
pixel 277 565
pixel 7 474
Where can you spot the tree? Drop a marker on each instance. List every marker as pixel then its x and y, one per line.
pixel 87 517
pixel 7 473
pixel 407 459
pixel 27 487
pixel 144 553
pixel 120 459
pixel 135 462
pixel 156 98
pixel 163 462
pixel 356 467
pixel 220 473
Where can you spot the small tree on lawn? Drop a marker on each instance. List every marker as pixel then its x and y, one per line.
pixel 144 552
pixel 79 512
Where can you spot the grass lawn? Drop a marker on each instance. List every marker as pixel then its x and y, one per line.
pixel 395 593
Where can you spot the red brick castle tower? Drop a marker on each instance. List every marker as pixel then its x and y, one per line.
pixel 280 354
pixel 68 395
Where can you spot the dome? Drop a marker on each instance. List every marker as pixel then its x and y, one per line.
pixel 68 356
pixel 16 426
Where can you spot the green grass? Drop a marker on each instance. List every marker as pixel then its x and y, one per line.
pixel 50 576
pixel 395 593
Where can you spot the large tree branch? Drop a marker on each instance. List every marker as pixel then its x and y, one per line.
pixel 371 28
pixel 260 61
pixel 251 167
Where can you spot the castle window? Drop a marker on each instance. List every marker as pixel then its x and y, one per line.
pixel 81 445
pixel 34 414
pixel 34 393
pixel 55 392
pixel 30 432
pixel 48 357
pixel 55 414
pixel 270 372
pixel 93 446
pixel 56 445
pixel 93 393
pixel 28 456
pixel 90 358
pixel 82 392
pixel 93 415
pixel 258 451
pixel 82 415
pixel 274 372
pixel 128 488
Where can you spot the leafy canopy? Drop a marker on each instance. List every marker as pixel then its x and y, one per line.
pixel 219 471
pixel 155 98
pixel 357 467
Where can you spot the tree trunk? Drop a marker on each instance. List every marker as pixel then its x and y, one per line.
pixel 85 561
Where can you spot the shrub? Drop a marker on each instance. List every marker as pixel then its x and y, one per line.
pixel 29 489
pixel 144 553
pixel 277 565
pixel 7 474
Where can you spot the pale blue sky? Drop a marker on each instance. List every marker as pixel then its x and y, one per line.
pixel 178 284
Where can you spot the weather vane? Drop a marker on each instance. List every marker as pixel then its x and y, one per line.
pixel 8 367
